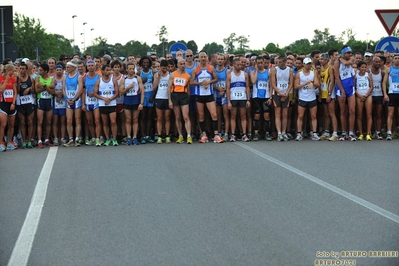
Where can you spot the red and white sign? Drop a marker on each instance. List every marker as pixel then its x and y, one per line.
pixel 389 19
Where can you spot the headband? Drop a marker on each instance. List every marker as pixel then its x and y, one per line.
pixel 59 66
pixel 71 64
pixel 346 50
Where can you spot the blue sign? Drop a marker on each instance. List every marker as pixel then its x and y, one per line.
pixel 178 46
pixel 388 44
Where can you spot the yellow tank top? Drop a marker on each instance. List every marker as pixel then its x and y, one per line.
pixel 325 82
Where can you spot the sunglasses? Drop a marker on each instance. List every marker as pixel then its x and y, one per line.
pixel 189 55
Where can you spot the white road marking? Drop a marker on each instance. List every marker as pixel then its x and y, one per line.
pixel 23 246
pixel 326 185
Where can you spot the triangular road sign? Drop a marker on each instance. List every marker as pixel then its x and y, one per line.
pixel 389 18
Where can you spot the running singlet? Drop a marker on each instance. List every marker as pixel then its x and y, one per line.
pixel 106 90
pixel 362 84
pixel 180 81
pixel 377 82
pixel 189 70
pixel 162 92
pixel 305 93
pixel 119 99
pixel 28 98
pixel 282 79
pixel 238 86
pixel 61 104
pixel 89 84
pixel 394 80
pixel 45 94
pixel 150 79
pixel 222 75
pixel 131 97
pixel 202 75
pixel 260 89
pixel 346 74
pixel 71 86
pixel 325 82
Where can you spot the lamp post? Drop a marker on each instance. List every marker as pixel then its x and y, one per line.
pixel 73 31
pixel 91 35
pixel 83 42
pixel 367 45
pixel 84 36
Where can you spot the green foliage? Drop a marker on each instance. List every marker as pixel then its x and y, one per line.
pixel 213 48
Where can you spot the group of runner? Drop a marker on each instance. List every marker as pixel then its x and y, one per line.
pixel 216 97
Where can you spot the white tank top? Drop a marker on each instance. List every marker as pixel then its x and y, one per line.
pixel 238 86
pixel 282 79
pixel 362 84
pixel 305 93
pixel 162 92
pixel 119 99
pixel 377 83
pixel 133 91
pixel 107 90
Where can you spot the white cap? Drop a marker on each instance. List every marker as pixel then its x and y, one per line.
pixel 25 60
pixel 307 60
pixel 368 54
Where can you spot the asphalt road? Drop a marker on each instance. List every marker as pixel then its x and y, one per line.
pixel 253 203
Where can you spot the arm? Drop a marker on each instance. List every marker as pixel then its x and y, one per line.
pixel 116 88
pixel 170 84
pixel 371 84
pixel 248 92
pixel 338 80
pixel 291 82
pixel 141 86
pixel 254 76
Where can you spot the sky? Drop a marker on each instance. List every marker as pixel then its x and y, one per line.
pixel 281 22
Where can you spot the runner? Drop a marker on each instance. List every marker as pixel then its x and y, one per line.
pixel 345 91
pixel 221 98
pixel 178 89
pixel 306 82
pixel 116 67
pixel 377 95
pixel 364 87
pixel 238 97
pixel 204 78
pixel 60 104
pixel 25 106
pixel 44 87
pixel 106 90
pixel 133 91
pixel 8 111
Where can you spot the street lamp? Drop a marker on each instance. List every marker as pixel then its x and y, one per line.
pixel 367 45
pixel 91 31
pixel 84 36
pixel 73 31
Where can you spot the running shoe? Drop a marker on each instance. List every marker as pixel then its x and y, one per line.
pixel 143 140
pixel 98 143
pixel 268 137
pixel 167 139
pixel 325 136
pixel 107 142
pixel 101 140
pixel 298 137
pixel 189 140
pixel 149 139
pixel 285 137
pixel 48 143
pixel 249 136
pixel 280 137
pixel 129 141
pixel 389 137
pixel 333 137
pixel 245 138
pixel 55 142
pixel 315 137
pixel 91 142
pixel 289 136
pixel 63 141
pixel 40 145
pixel 77 143
pixel 217 139
pixel 343 137
pixel 11 146
pixel 361 137
pixel 136 141
pixel 159 141
pixel 203 138
pixel 180 139
pixel 30 146
pixel 80 141
pixel 2 147
pixel 115 142
pixel 23 145
pixel 256 137
pixel 352 137
pixel 232 138
pixel 379 136
pixel 368 137
pixel 225 137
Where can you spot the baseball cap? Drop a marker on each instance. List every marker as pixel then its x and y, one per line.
pixel 25 60
pixel 368 54
pixel 307 60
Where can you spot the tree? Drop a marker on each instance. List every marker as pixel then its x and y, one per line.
pixel 162 34
pixel 213 48
pixel 229 43
pixel 193 46
pixel 242 42
pixel 300 46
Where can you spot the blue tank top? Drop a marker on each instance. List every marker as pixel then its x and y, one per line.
pixel 150 79
pixel 189 70
pixel 71 85
pixel 90 83
pixel 222 75
pixel 261 87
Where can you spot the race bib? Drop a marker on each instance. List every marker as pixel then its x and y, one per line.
pixel 26 99
pixel 323 86
pixel 282 86
pixel 395 87
pixel 148 87
pixel 62 104
pixel 179 81
pixel 45 95
pixel 71 94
